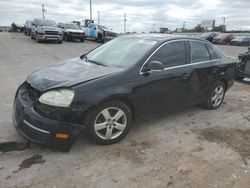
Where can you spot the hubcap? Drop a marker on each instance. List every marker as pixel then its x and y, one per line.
pixel 110 123
pixel 217 96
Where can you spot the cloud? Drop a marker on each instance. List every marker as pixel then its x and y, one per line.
pixel 141 14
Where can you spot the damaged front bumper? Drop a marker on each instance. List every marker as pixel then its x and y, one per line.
pixel 40 129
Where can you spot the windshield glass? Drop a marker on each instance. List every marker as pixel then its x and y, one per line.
pixel 46 23
pixel 121 52
pixel 102 27
pixel 71 26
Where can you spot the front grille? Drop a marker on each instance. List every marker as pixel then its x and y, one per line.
pixel 51 32
pixel 111 34
pixel 75 34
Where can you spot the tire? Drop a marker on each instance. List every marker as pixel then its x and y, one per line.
pixel 109 130
pixel 215 96
pixel 240 78
pixel 37 39
pixel 66 38
pixel 59 41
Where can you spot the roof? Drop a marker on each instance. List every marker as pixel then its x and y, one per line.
pixel 162 37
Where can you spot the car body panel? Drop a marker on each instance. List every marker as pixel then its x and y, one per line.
pixel 67 74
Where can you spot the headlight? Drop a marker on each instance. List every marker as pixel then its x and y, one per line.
pixel 40 30
pixel 61 97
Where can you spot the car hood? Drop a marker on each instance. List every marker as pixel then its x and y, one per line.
pixel 108 30
pixel 67 74
pixel 74 30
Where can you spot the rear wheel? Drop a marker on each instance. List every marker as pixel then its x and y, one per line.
pixel 109 123
pixel 216 96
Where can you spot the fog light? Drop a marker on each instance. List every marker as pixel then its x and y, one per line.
pixel 62 136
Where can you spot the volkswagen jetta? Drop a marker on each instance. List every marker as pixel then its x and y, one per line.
pixel 104 90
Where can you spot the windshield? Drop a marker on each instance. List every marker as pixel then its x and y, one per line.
pixel 102 27
pixel 121 52
pixel 46 23
pixel 71 26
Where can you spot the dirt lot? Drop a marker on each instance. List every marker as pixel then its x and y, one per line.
pixel 189 148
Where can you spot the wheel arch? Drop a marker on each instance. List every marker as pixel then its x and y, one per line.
pixel 225 81
pixel 123 99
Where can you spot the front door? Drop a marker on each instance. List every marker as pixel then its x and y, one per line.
pixel 167 89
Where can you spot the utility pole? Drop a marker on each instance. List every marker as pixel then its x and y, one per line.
pixel 224 23
pixel 125 20
pixel 43 11
pixel 98 17
pixel 90 9
pixel 184 25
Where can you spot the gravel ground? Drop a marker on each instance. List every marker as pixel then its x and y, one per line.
pixel 189 148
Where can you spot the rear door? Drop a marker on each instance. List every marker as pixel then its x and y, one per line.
pixel 204 62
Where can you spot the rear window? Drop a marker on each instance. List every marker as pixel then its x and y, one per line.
pixel 213 54
pixel 199 52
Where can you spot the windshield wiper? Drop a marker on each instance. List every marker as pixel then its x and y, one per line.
pixel 91 61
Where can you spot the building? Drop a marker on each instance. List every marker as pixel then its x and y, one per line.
pixel 4 28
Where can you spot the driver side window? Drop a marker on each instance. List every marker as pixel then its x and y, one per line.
pixel 171 54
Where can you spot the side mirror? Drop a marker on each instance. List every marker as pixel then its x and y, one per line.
pixel 153 66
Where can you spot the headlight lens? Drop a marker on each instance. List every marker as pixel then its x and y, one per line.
pixel 60 98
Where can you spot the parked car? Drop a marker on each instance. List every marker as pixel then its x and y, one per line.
pixel 46 30
pixel 27 27
pixel 71 31
pixel 99 32
pixel 16 27
pixel 223 39
pixel 241 41
pixel 244 65
pixel 105 89
pixel 209 36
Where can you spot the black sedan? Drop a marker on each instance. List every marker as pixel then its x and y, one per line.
pixel 104 90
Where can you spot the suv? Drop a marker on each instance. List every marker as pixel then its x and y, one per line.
pixel 71 31
pixel 27 27
pixel 99 32
pixel 46 30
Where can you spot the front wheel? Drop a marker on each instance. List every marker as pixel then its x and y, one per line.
pixel 216 96
pixel 109 123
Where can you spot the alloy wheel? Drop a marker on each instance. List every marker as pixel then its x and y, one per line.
pixel 217 96
pixel 110 123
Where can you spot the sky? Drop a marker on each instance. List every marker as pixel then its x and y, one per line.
pixel 142 15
